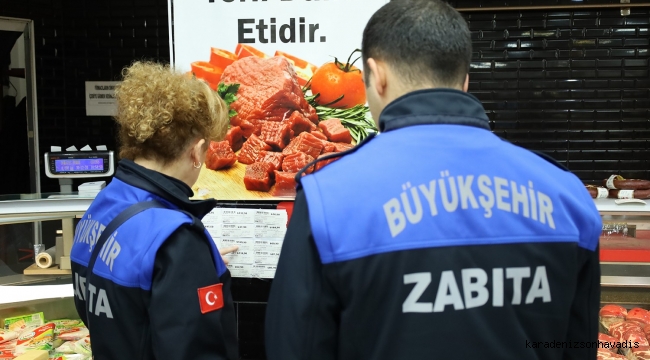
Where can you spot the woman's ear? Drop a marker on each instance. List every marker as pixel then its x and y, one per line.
pixel 197 152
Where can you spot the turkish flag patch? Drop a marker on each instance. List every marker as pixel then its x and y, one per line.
pixel 211 298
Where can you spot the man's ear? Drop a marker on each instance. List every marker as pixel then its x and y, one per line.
pixel 466 85
pixel 377 75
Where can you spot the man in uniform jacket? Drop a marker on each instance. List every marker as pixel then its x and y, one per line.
pixel 435 239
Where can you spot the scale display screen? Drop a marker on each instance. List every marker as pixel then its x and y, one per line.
pixel 78 165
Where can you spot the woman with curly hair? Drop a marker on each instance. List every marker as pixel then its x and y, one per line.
pixel 155 286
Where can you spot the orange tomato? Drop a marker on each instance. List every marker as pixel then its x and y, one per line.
pixel 304 69
pixel 243 50
pixel 335 79
pixel 221 58
pixel 208 72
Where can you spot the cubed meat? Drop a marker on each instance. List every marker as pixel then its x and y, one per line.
pixel 296 161
pixel 220 155
pixel 259 176
pixel 251 150
pixel 319 134
pixel 323 163
pixel 336 147
pixel 638 315
pixel 273 158
pixel 335 131
pixel 276 134
pixel 299 123
pixel 251 127
pixel 305 143
pixel 285 184
pixel 235 136
pixel 340 147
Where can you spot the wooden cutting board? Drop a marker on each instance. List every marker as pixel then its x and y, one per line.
pixel 228 184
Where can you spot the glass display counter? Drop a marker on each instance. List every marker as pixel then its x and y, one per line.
pixel 625 246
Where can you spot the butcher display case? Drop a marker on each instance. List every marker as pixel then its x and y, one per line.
pixel 624 244
pixel 624 253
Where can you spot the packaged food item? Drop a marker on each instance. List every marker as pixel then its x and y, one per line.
pixel 6 354
pixel 73 334
pixel 40 338
pixel 67 347
pixel 83 346
pixel 9 345
pixel 66 324
pixel 6 335
pixel 19 323
pixel 34 355
pixel 60 356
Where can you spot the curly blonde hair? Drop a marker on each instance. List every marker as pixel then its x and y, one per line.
pixel 161 111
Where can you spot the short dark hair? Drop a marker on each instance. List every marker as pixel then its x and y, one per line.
pixel 425 41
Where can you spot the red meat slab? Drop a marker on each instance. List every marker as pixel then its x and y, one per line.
pixel 268 90
pixel 619 330
pixel 638 315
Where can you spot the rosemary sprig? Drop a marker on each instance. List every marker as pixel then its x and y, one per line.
pixel 355 119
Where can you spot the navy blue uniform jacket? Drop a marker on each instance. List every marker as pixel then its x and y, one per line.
pixel 437 240
pixel 143 299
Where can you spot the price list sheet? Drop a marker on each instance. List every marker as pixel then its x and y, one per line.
pixel 257 233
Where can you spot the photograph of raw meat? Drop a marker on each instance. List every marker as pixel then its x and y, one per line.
pixel 274 132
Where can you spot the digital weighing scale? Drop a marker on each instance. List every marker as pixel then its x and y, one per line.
pixel 72 164
pixel 69 165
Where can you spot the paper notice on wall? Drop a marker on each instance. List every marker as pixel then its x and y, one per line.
pixel 258 234
pixel 100 98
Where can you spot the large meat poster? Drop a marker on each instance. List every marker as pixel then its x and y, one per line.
pixel 273 61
